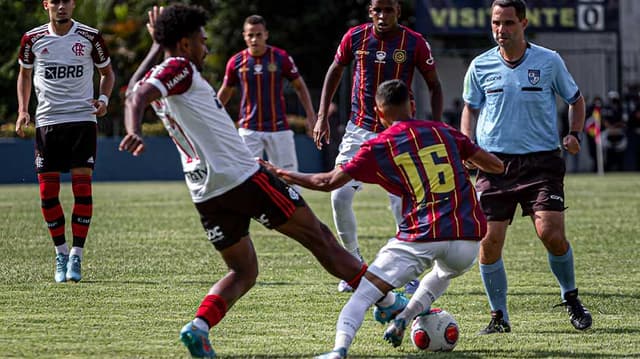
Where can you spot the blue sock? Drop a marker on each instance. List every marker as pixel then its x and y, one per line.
pixel 562 268
pixel 494 278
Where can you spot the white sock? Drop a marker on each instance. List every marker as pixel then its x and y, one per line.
pixel 76 251
pixel 431 288
pixel 387 300
pixel 201 324
pixel 344 217
pixel 353 313
pixel 62 249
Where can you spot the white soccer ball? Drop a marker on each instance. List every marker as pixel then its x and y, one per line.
pixel 436 331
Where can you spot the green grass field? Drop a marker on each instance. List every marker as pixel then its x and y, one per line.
pixel 147 266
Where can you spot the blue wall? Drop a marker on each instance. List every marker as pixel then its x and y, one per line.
pixel 159 162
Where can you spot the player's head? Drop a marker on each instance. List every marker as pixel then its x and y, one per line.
pixel 508 21
pixel 384 14
pixel 255 34
pixel 60 11
pixel 393 102
pixel 180 30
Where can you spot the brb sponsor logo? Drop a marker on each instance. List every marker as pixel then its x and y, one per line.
pixel 63 72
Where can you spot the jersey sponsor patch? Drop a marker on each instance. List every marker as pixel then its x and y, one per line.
pixel 63 72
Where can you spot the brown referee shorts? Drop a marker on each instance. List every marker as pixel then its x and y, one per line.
pixel 263 197
pixel 59 148
pixel 535 181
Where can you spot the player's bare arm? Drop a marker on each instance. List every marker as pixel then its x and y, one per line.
pixel 436 96
pixel 487 162
pixel 305 99
pixel 154 54
pixel 225 93
pixel 326 182
pixel 468 121
pixel 468 127
pixel 576 123
pixel 107 79
pixel 134 108
pixel 24 94
pixel 321 131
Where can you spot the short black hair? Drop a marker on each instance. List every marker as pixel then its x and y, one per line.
pixel 255 20
pixel 178 21
pixel 393 93
pixel 519 5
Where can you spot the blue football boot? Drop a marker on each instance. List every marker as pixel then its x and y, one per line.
pixel 386 314
pixel 197 341
pixel 74 268
pixel 340 353
pixel 61 267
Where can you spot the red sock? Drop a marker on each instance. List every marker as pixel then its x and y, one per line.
pixel 82 208
pixel 50 204
pixel 356 280
pixel 212 309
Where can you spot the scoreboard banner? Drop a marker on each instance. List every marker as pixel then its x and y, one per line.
pixel 474 16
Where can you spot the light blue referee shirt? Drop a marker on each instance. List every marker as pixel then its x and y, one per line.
pixel 518 104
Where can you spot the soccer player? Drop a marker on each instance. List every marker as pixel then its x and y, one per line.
pixel 511 91
pixel 381 50
pixel 60 56
pixel 422 163
pixel 258 71
pixel 227 186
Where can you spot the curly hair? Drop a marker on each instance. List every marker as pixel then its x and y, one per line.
pixel 178 21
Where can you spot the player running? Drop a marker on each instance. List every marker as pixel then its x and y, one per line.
pixel 422 163
pixel 226 184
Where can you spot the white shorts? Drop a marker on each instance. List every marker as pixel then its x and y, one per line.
pixel 352 140
pixel 398 262
pixel 279 146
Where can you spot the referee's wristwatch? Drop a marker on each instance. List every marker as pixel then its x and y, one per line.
pixel 577 135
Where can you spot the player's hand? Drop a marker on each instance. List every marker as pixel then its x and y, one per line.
pixel 571 144
pixel 22 121
pixel 310 125
pixel 133 143
pixel 101 107
pixel 470 166
pixel 153 16
pixel 268 165
pixel 321 133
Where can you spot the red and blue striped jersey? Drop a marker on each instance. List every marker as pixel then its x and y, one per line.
pixel 262 107
pixel 378 59
pixel 422 162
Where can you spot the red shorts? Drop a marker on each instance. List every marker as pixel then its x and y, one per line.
pixel 61 147
pixel 263 197
pixel 535 181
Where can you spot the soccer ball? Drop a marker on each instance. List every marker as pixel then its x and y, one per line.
pixel 436 331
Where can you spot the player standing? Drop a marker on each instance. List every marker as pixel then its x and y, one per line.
pixel 60 56
pixel 511 91
pixel 381 50
pixel 259 71
pixel 422 163
pixel 226 184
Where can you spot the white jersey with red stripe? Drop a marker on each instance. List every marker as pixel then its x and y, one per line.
pixel 63 71
pixel 214 158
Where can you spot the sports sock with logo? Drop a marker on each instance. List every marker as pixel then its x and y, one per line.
pixel 51 208
pixel 82 208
